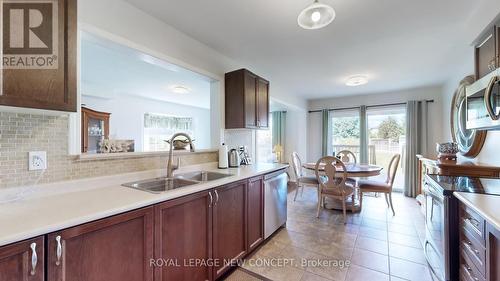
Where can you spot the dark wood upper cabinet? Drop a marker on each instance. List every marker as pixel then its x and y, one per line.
pixel 497 36
pixel 229 225
pixel 250 84
pixel 95 128
pixel 23 261
pixel 487 52
pixel 42 77
pixel 246 100
pixel 255 213
pixel 183 234
pixel 262 103
pixel 118 248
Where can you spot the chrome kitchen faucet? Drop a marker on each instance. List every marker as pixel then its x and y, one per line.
pixel 170 166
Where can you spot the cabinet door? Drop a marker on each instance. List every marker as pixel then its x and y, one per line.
pixel 250 100
pixel 497 35
pixel 23 261
pixel 183 236
pixel 485 54
pixel 44 76
pixel 229 225
pixel 118 248
pixel 262 103
pixel 492 253
pixel 255 213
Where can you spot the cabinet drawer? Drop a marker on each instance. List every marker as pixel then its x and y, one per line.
pixel 472 222
pixel 473 249
pixel 468 270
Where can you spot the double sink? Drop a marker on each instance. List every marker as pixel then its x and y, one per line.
pixel 162 184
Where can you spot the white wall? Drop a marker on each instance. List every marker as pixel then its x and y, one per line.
pixel 123 21
pixel 127 117
pixel 125 24
pixel 296 133
pixel 425 93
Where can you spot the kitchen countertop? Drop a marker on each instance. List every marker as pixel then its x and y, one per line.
pixel 47 208
pixel 488 206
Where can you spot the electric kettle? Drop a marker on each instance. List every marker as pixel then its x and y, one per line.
pixel 234 158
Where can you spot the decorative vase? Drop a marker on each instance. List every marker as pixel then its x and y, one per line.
pixel 447 151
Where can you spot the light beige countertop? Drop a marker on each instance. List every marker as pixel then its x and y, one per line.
pixel 488 206
pixel 47 208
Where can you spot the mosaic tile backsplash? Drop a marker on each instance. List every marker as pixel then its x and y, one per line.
pixel 21 133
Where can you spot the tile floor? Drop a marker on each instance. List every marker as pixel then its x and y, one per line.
pixel 378 246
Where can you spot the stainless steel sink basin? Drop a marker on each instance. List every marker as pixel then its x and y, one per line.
pixel 159 185
pixel 202 176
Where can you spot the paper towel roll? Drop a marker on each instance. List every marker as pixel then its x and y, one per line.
pixel 223 161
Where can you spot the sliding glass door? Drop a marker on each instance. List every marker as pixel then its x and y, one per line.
pixel 345 131
pixel 387 137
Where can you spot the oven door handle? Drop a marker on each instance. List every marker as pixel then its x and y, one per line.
pixel 433 272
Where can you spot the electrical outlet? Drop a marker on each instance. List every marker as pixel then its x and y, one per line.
pixel 37 160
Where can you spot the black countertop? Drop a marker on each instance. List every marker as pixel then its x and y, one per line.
pixel 449 184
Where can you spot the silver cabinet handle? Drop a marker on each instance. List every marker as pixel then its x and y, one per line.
pixel 34 258
pixel 211 199
pixel 471 248
pixel 58 250
pixel 216 197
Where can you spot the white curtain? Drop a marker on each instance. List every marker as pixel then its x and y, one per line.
pixel 416 143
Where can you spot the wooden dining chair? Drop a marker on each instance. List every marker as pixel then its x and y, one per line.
pixel 348 157
pixel 379 186
pixel 332 183
pixel 301 180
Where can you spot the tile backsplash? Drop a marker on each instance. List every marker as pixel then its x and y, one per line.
pixel 21 133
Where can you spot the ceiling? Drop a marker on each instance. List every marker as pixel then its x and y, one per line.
pixel 110 70
pixel 397 44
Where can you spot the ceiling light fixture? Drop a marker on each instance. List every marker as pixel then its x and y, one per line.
pixel 356 80
pixel 180 89
pixel 316 16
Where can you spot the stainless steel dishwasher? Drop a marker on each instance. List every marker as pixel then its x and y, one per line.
pixel 275 200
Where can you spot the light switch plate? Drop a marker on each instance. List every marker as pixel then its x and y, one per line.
pixel 37 160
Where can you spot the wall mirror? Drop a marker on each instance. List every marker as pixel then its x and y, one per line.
pixel 133 102
pixel 470 142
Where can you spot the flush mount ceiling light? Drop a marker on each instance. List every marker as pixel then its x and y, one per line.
pixel 356 80
pixel 180 89
pixel 316 16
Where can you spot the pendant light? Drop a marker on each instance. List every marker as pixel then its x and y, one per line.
pixel 316 16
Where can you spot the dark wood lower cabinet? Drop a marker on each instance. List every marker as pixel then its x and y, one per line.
pixel 492 253
pixel 118 248
pixel 479 246
pixel 183 238
pixel 23 261
pixel 196 237
pixel 255 213
pixel 229 226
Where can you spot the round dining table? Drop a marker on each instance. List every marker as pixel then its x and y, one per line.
pixel 353 170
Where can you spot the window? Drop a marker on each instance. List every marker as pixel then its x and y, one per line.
pixel 387 137
pixel 159 127
pixel 345 131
